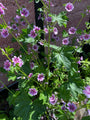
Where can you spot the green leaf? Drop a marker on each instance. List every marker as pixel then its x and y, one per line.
pixel 61 18
pixel 65 34
pixel 3 117
pixel 28 109
pixel 79 50
pixel 22 107
pixel 29 40
pixel 79 31
pixel 86 118
pixel 13 78
pixel 64 93
pixel 11 99
pixel 43 97
pixel 74 90
pixel 38 109
pixel 9 50
pixel 65 56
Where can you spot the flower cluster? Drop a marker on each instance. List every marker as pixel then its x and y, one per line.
pixel 49 74
pixel 33 33
pixel 17 60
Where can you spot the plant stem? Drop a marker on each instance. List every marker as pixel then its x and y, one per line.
pixel 80 21
pixel 4 21
pixel 19 43
pixel 7 88
pixel 74 1
pixel 17 4
pixel 49 50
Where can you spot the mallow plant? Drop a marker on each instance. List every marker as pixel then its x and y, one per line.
pixel 52 79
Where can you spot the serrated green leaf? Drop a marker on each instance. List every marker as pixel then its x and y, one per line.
pixel 29 40
pixel 13 78
pixel 43 97
pixel 9 50
pixel 61 18
pixel 22 107
pixel 28 109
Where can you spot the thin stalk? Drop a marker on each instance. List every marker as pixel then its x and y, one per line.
pixel 74 1
pixel 49 49
pixel 49 43
pixel 4 21
pixel 7 88
pixel 26 20
pixel 44 4
pixel 17 4
pixel 19 43
pixel 80 21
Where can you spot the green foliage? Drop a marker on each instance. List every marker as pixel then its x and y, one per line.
pixel 64 57
pixel 61 18
pixel 3 117
pixel 29 40
pixel 65 34
pixel 28 109
pixel 86 118
pixel 9 50
pixel 61 76
pixel 64 93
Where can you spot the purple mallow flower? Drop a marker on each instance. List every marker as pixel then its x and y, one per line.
pixel 65 41
pixel 36 28
pixel 2 6
pixel 69 7
pixel 86 36
pixel 52 99
pixel 46 30
pixel 40 77
pixel 24 12
pixel 32 34
pixel 15 19
pixel 32 65
pixel 81 58
pixel 63 107
pixel 87 91
pixel 18 17
pixel 30 75
pixel 57 39
pixel 71 107
pixel 54 36
pixel 41 43
pixel 89 112
pixel 23 23
pixel 72 30
pixel 33 91
pixel 7 65
pixel 17 60
pixel 1 11
pixel 55 30
pixel 79 62
pixel 49 19
pixel 14 27
pixel 4 33
pixel 35 47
